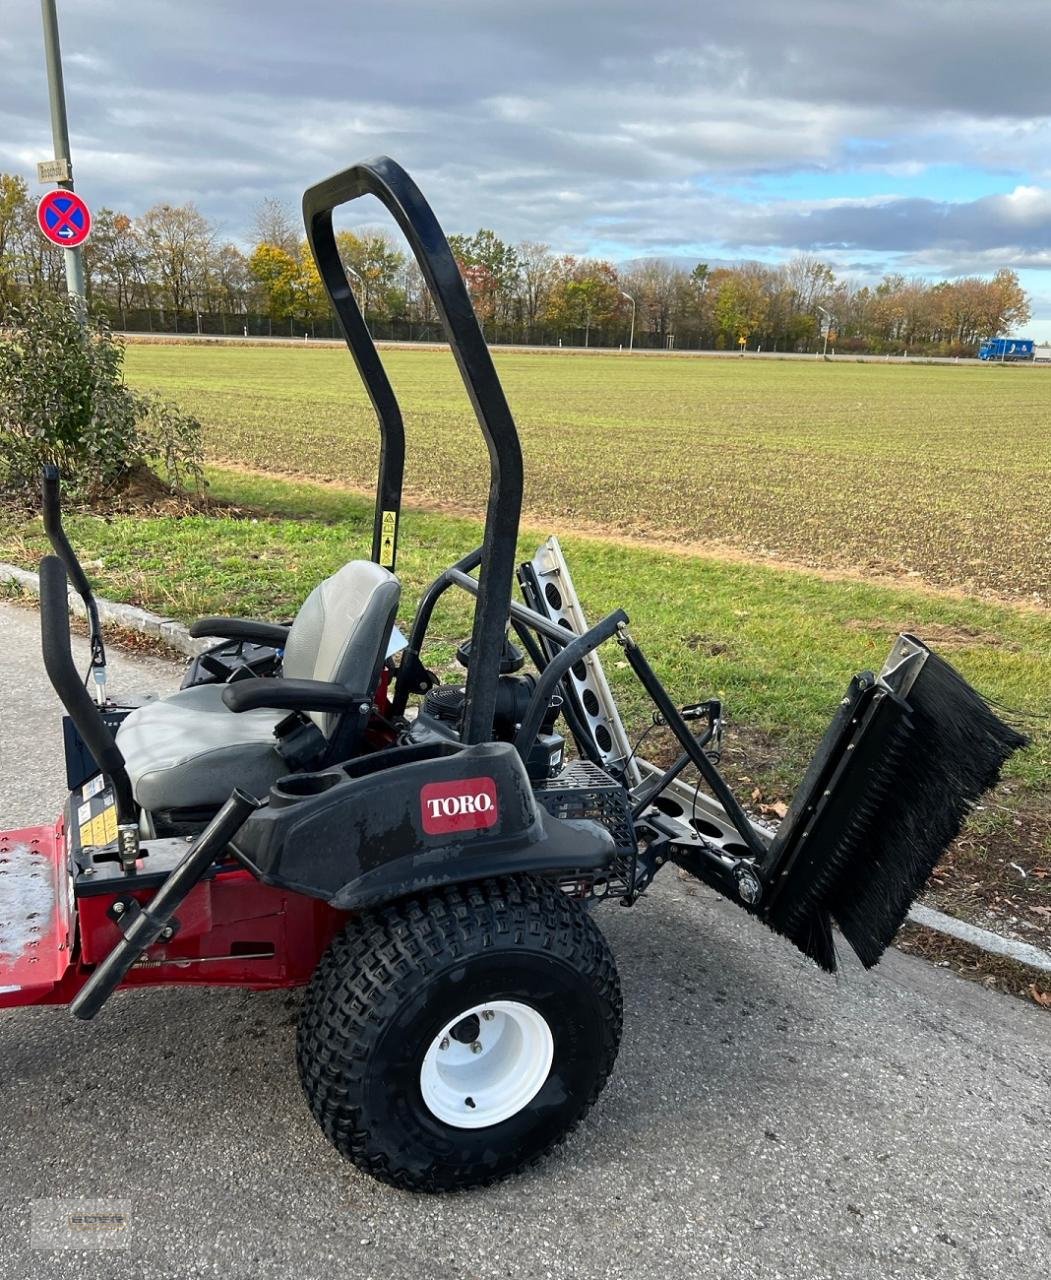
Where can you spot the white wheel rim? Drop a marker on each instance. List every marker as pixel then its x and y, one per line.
pixel 491 1078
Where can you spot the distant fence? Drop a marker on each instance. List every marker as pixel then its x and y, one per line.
pixel 250 325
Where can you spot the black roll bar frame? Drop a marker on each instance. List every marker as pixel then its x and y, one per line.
pixel 52 514
pixel 392 186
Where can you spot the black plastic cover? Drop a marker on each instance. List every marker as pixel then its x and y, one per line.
pixel 412 818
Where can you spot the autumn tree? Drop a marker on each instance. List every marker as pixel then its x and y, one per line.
pixel 274 223
pixel 587 296
pixel 274 270
pixel 180 241
pixel 537 267
pixel 653 283
pixel 375 266
pixel 1010 302
pixel 14 201
pixel 740 304
pixel 490 268
pixel 117 260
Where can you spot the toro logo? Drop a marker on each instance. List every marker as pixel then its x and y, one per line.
pixel 468 804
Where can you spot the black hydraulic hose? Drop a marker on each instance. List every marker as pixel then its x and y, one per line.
pixel 64 677
pixel 551 678
pixel 52 512
pixel 151 920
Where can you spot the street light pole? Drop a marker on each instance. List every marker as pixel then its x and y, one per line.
pixel 631 338
pixel 74 258
pixel 829 318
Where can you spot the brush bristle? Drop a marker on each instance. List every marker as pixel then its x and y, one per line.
pixel 884 809
pixel 957 748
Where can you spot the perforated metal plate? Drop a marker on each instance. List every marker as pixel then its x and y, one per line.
pixel 35 913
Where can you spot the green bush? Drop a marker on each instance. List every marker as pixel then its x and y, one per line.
pixel 63 400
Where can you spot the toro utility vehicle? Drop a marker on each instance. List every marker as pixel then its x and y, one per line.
pixel 313 807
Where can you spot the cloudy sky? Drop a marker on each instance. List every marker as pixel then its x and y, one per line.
pixel 910 135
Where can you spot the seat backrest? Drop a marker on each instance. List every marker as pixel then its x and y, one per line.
pixel 342 631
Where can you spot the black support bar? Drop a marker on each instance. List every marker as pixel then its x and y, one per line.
pixel 52 513
pixel 692 747
pixel 65 679
pixel 518 612
pixel 579 647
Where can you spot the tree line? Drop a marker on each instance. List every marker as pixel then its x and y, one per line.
pixel 169 269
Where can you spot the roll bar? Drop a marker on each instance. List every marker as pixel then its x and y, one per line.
pixel 52 511
pixel 64 677
pixel 392 186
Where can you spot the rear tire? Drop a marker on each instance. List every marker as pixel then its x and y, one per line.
pixel 410 986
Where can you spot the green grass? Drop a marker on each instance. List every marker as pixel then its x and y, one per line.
pixel 778 644
pixel 938 473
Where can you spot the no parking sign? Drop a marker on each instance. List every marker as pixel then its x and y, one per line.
pixel 64 218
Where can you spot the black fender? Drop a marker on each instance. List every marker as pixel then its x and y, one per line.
pixel 409 819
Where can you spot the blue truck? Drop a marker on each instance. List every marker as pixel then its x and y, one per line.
pixel 1006 349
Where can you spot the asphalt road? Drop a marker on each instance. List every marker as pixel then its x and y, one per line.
pixel 764 1120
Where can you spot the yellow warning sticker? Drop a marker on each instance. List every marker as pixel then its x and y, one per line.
pixel 109 824
pixel 388 537
pixel 102 829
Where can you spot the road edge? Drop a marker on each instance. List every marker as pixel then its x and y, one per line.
pixel 129 617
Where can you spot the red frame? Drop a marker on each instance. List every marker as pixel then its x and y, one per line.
pixel 233 931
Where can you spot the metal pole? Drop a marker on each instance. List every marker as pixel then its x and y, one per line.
pixel 829 318
pixel 631 338
pixel 74 259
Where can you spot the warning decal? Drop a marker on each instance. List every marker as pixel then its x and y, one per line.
pixel 93 815
pixel 388 538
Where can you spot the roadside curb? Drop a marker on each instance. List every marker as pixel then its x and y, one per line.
pixel 128 616
pixel 176 636
pixel 1023 953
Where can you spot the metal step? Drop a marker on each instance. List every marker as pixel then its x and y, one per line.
pixel 36 911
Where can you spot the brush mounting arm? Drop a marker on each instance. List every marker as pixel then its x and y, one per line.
pixel 691 746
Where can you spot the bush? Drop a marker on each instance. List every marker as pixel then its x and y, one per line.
pixel 63 400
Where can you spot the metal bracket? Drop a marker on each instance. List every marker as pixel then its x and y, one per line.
pixel 586 682
pixel 125 911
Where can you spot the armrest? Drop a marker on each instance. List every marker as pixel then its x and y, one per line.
pixel 270 633
pixel 289 695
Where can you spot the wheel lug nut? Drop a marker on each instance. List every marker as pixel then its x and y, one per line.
pixel 444 1044
pixel 476 1047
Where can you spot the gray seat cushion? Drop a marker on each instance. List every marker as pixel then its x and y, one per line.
pixel 341 631
pixel 189 750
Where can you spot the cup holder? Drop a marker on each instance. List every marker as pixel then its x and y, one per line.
pixel 298 786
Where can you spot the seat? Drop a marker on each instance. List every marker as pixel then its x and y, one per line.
pixel 189 750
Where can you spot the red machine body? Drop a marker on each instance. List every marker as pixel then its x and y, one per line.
pixel 233 931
